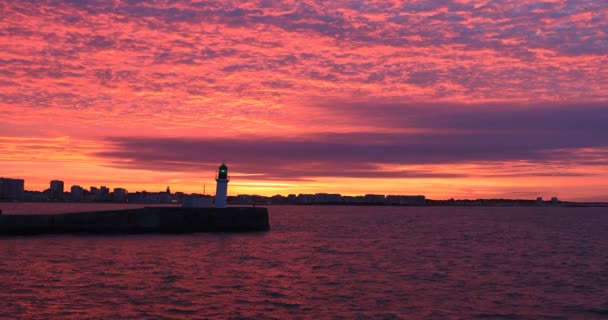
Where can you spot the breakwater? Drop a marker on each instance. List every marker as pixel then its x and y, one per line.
pixel 143 220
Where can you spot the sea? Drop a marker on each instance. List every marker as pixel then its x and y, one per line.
pixel 320 262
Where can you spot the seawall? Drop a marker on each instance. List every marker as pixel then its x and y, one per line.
pixel 145 220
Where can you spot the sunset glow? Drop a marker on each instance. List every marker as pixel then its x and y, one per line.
pixel 449 99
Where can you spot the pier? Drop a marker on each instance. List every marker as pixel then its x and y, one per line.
pixel 170 220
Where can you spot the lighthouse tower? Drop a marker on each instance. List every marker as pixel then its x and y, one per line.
pixel 221 190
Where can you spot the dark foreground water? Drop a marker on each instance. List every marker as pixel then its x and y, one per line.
pixel 325 262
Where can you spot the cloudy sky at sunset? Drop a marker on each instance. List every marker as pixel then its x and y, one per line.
pixel 446 98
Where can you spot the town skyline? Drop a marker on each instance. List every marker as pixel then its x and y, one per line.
pixel 14 190
pixel 451 99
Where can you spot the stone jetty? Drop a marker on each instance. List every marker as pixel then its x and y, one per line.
pixel 145 220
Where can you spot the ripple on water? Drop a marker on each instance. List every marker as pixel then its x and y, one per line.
pixel 325 262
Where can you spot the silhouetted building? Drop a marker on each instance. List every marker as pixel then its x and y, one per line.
pixel 76 193
pixel 374 198
pixel 306 198
pixel 353 199
pixel 56 190
pixel 398 200
pixel 93 194
pixel 150 197
pixel 277 198
pixel 11 189
pixel 164 197
pixel 243 199
pixel 120 194
pixel 35 196
pixel 327 198
pixel 197 201
pixel 393 200
pixel 104 193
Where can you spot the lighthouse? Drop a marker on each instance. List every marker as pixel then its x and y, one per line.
pixel 221 190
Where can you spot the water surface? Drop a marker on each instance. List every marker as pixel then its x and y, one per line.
pixel 325 262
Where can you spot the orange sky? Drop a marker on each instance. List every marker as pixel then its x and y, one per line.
pixel 457 98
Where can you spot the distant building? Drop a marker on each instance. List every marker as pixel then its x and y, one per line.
pixel 177 197
pixel 277 198
pixel 374 198
pixel 393 200
pixel 149 197
pixel 11 189
pixel 243 199
pixel 539 201
pixel 35 196
pixel 76 193
pixel 398 200
pixel 164 197
pixel 413 200
pixel 120 194
pixel 327 198
pixel 306 198
pixel 554 200
pixel 104 193
pixel 56 190
pixel 353 199
pixel 93 194
pixel 197 201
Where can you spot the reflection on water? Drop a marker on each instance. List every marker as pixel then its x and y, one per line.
pixel 326 262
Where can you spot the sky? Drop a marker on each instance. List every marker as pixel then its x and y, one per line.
pixel 444 98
